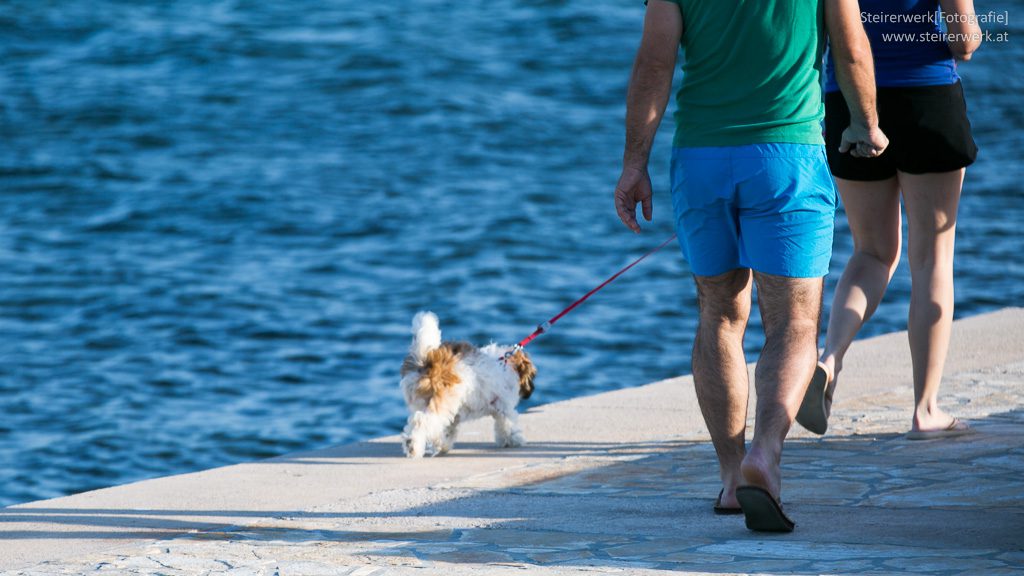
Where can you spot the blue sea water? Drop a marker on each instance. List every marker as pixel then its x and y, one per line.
pixel 219 216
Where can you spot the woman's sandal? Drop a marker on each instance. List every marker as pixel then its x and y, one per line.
pixel 817 404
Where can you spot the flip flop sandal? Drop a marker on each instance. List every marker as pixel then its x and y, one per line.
pixel 763 513
pixel 813 414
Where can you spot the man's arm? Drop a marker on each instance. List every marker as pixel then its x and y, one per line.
pixel 962 26
pixel 855 73
pixel 649 88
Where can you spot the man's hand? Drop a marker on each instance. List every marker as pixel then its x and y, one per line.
pixel 855 73
pixel 862 142
pixel 634 187
pixel 649 89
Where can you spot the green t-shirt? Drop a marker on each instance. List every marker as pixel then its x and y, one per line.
pixel 751 72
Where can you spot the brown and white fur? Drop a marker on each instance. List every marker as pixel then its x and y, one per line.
pixel 446 383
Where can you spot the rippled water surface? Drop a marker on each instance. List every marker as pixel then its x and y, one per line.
pixel 219 216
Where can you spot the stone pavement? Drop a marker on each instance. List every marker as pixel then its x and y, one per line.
pixel 619 483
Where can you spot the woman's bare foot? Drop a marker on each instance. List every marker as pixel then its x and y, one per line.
pixel 934 420
pixel 954 429
pixel 835 366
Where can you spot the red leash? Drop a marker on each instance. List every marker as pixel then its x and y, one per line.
pixel 541 329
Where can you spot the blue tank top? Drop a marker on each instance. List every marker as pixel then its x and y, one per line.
pixel 906 44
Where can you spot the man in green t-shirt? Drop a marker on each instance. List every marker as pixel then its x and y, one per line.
pixel 753 202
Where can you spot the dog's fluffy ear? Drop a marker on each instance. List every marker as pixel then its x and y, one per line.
pixel 409 364
pixel 526 370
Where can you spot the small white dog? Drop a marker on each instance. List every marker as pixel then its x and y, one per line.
pixel 445 383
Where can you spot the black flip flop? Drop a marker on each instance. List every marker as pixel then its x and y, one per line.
pixel 762 512
pixel 813 414
pixel 724 510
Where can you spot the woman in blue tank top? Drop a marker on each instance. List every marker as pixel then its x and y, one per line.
pixel 922 111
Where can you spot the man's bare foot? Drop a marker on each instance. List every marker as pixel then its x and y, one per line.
pixel 759 495
pixel 728 499
pixel 762 470
pixel 730 481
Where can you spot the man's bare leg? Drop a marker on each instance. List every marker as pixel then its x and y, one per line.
pixel 720 370
pixel 790 309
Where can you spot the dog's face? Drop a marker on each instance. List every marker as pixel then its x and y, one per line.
pixel 524 367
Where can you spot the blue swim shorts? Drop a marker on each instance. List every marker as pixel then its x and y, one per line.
pixel 768 207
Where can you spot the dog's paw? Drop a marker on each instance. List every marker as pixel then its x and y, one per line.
pixel 410 448
pixel 513 440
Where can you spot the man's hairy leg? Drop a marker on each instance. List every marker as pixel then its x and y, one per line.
pixel 790 309
pixel 720 370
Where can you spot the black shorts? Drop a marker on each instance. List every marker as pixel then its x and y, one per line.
pixel 927 128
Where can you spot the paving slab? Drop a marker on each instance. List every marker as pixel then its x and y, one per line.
pixel 616 483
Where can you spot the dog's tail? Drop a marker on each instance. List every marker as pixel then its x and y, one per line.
pixel 426 336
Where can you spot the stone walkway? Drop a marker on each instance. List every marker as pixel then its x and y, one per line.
pixel 865 499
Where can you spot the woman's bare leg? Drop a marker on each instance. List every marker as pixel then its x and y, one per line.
pixel 931 202
pixel 873 211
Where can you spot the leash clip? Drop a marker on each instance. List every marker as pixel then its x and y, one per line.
pixel 508 355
